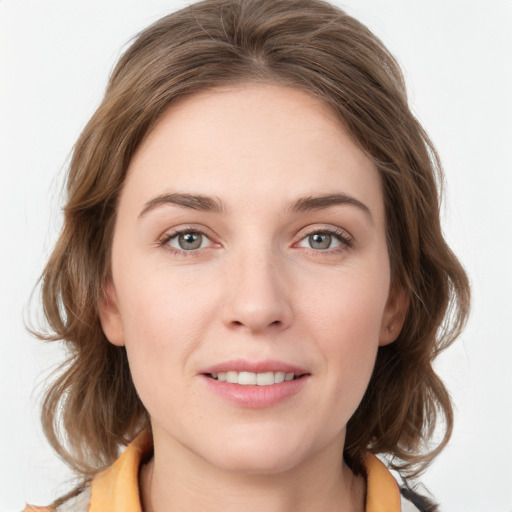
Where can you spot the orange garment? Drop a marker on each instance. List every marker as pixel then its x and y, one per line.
pixel 116 489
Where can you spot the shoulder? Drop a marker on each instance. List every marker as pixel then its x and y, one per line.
pixel 78 503
pixel 408 506
pixel 414 502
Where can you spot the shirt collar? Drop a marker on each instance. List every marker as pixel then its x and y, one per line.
pixel 117 487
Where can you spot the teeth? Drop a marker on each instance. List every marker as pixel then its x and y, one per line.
pixel 232 377
pixel 253 379
pixel 278 377
pixel 265 379
pixel 247 378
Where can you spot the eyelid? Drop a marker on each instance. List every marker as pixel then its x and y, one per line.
pixel 169 234
pixel 346 239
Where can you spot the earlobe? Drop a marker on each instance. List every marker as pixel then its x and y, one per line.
pixel 394 315
pixel 110 317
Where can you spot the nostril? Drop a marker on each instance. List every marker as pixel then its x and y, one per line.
pixel 238 323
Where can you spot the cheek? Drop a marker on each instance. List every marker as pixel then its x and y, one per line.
pixel 350 342
pixel 345 320
pixel 346 306
pixel 158 307
pixel 165 317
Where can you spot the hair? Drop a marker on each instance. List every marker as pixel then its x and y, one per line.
pixel 92 408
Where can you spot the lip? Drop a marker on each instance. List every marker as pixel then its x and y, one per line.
pixel 242 365
pixel 255 397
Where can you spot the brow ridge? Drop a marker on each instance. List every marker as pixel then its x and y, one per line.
pixel 308 203
pixel 192 201
pixel 211 204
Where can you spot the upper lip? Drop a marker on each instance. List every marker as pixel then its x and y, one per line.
pixel 242 365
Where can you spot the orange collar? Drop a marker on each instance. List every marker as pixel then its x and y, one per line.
pixel 382 491
pixel 117 488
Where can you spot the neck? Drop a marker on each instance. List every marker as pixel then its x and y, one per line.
pixel 176 479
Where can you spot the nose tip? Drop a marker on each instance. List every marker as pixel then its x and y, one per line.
pixel 257 298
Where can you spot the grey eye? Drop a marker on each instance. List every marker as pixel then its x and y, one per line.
pixel 190 241
pixel 320 241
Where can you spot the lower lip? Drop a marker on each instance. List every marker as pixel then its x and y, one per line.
pixel 256 397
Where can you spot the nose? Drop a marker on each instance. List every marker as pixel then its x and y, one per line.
pixel 258 294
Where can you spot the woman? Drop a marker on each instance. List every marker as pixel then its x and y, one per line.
pixel 251 276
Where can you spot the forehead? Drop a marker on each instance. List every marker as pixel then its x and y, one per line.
pixel 251 142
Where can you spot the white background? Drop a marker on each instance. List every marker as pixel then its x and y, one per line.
pixel 55 57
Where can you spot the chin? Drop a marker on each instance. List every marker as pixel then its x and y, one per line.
pixel 256 463
pixel 263 454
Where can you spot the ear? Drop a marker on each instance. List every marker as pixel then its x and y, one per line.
pixel 394 315
pixel 110 318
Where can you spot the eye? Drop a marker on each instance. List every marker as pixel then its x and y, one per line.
pixel 320 241
pixel 187 240
pixel 325 240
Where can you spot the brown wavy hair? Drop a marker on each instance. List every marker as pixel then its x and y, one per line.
pixel 92 408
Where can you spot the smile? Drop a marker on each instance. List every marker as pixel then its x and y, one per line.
pixel 253 379
pixel 256 390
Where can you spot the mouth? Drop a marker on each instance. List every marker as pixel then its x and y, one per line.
pixel 255 379
pixel 255 384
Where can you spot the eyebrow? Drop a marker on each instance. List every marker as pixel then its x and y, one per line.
pixel 192 201
pixel 211 204
pixel 320 202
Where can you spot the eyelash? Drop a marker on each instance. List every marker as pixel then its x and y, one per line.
pixel 167 237
pixel 346 241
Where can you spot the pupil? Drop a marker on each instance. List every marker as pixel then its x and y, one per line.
pixel 190 241
pixel 320 241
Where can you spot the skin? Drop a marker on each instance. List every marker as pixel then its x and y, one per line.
pixel 259 287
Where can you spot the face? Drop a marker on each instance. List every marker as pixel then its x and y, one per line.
pixel 250 278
